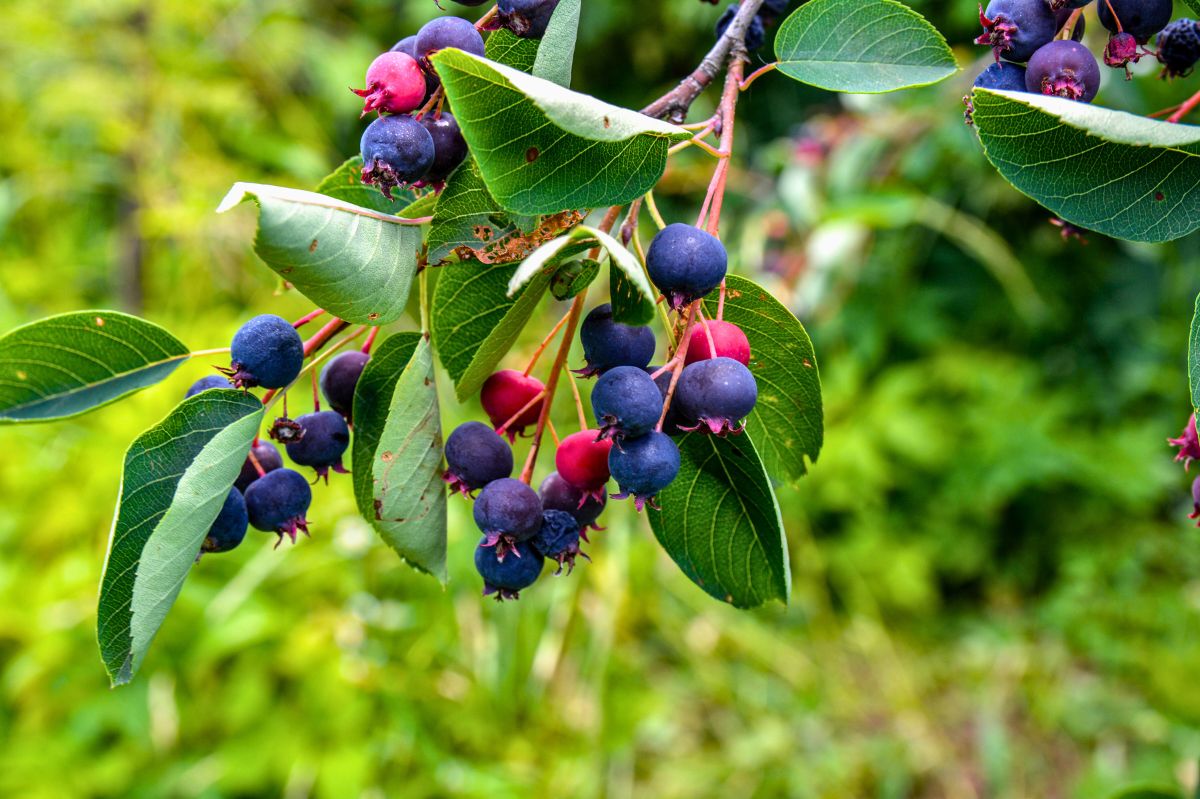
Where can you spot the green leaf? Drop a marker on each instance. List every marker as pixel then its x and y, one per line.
pixel 372 401
pixel 345 183
pixel 406 501
pixel 1194 357
pixel 862 46
pixel 557 52
pixel 505 47
pixel 720 522
pixel 1147 792
pixel 475 322
pixel 467 216
pixel 585 237
pixel 176 477
pixel 1116 173
pixel 1194 5
pixel 69 364
pixel 551 149
pixel 355 262
pixel 546 257
pixel 573 277
pixel 629 306
pixel 788 421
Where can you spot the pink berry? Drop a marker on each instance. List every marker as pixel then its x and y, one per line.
pixel 728 338
pixel 395 84
pixel 582 461
pixel 505 393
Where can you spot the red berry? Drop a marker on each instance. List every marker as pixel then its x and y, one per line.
pixel 395 84
pixel 507 392
pixel 728 338
pixel 582 461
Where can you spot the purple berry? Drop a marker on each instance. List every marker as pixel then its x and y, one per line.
pixel 508 512
pixel 475 456
pixel 1195 514
pixel 526 18
pixel 608 344
pixel 206 383
pixel 1066 69
pixel 717 394
pixel 1015 29
pixel 1002 76
pixel 644 466
pixel 558 494
pixel 449 146
pixel 626 403
pixel 558 539
pixel 507 577
pixel 1188 444
pixel 323 443
pixel 339 379
pixel 686 263
pixel 268 458
pixel 395 84
pixel 756 34
pixel 1179 47
pixel 266 351
pixel 277 502
pixel 445 32
pixel 396 151
pixel 229 528
pixel 1141 18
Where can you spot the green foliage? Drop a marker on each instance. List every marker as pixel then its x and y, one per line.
pixel 467 216
pixel 72 363
pixel 866 46
pixel 345 183
pixel 573 277
pixel 1194 357
pixel 505 47
pixel 556 54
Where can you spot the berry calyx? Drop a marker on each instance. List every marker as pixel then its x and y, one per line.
pixel 626 403
pixel 713 338
pixel 1188 444
pixel 558 494
pixel 558 539
pixel 1121 51
pixel 1015 29
pixel 475 456
pixel 277 502
pixel 507 577
pixel 526 18
pixel 396 151
pixel 229 528
pixel 686 263
pixel 716 394
pixel 1066 69
pixel 285 430
pixel 206 383
pixel 395 84
pixel 503 396
pixel 445 32
pixel 266 351
pixel 644 466
pixel 325 440
pixel 508 512
pixel 1179 47
pixel 1141 18
pixel 339 379
pixel 449 147
pixel 582 460
pixel 267 458
pixel 608 344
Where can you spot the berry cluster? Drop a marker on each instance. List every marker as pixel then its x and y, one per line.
pixel 1037 44
pixel 705 386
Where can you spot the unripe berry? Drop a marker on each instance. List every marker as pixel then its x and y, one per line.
pixel 644 466
pixel 686 263
pixel 322 444
pixel 558 494
pixel 582 461
pixel 408 46
pixel 277 502
pixel 717 394
pixel 475 456
pixel 395 84
pixel 396 151
pixel 727 338
pixel 339 379
pixel 526 18
pixel 558 539
pixel 266 351
pixel 445 32
pixel 1066 69
pixel 229 528
pixel 507 577
pixel 1015 29
pixel 608 344
pixel 206 383
pixel 268 459
pixel 503 396
pixel 626 403
pixel 507 512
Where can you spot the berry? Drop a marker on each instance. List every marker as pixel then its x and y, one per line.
pixel 508 512
pixel 1195 514
pixel 444 32
pixel 1141 18
pixel 756 34
pixel 607 344
pixel 674 422
pixel 644 466
pixel 526 18
pixel 507 577
pixel 471 3
pixel 1015 29
pixel 717 394
pixel 285 430
pixel 686 263
pixel 408 46
pixel 1066 69
pixel 1121 50
pixel 276 503
pixel 268 459
pixel 395 84
pixel 229 528
pixel 582 460
pixel 1188 443
pixel 475 456
pixel 772 10
pixel 505 393
pixel 339 379
pixel 205 383
pixel 323 443
pixel 558 494
pixel 719 339
pixel 626 403
pixel 266 351
pixel 449 146
pixel 1003 76
pixel 395 151
pixel 1179 47
pixel 558 539
pixel 1059 6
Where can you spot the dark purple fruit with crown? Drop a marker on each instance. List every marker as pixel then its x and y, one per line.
pixel 1015 29
pixel 1065 69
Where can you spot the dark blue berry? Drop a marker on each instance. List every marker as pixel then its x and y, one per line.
pixel 626 402
pixel 756 34
pixel 686 263
pixel 558 539
pixel 644 466
pixel 322 444
pixel 449 146
pixel 339 379
pixel 1179 47
pixel 1015 29
pixel 277 502
pixel 1141 18
pixel 1003 76
pixel 266 351
pixel 608 344
pixel 507 577
pixel 526 18
pixel 558 494
pixel 717 394
pixel 396 151
pixel 268 458
pixel 205 383
pixel 772 10
pixel 508 512
pixel 475 456
pixel 445 32
pixel 230 526
pixel 1064 68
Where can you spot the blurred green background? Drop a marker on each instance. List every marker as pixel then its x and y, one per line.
pixel 996 587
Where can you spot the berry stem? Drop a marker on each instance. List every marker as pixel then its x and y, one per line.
pixel 763 70
pixel 583 425
pixel 1068 28
pixel 206 353
pixel 641 254
pixel 370 342
pixel 533 401
pixel 316 393
pixel 1186 108
pixel 712 345
pixel 546 343
pixel 1113 11
pixel 253 460
pixel 553 432
pixel 652 207
pixel 486 18
pixel 680 356
pixel 721 302
pixel 308 317
pixel 711 210
pixel 322 336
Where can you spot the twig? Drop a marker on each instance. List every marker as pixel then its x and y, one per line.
pixel 308 317
pixel 716 189
pixel 652 207
pixel 1186 108
pixel 583 423
pixel 538 397
pixel 680 356
pixel 545 343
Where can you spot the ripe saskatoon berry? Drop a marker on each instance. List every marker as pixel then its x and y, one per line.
pixel 505 393
pixel 268 459
pixel 339 379
pixel 395 84
pixel 325 440
pixel 756 34
pixel 508 512
pixel 717 394
pixel 475 456
pixel 582 460
pixel 1002 75
pixel 444 32
pixel 266 351
pixel 772 10
pixel 1064 68
pixel 449 146
pixel 727 338
pixel 626 403
pixel 1179 47
pixel 508 577
pixel 1188 443
pixel 608 344
pixel 1015 29
pixel 675 420
pixel 558 539
pixel 229 528
pixel 205 383
pixel 686 263
pixel 644 466
pixel 395 151
pixel 1141 18
pixel 558 494
pixel 408 46
pixel 526 18
pixel 276 503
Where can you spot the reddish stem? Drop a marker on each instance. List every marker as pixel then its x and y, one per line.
pixel 534 401
pixel 370 342
pixel 721 302
pixel 316 393
pixel 680 357
pixel 308 317
pixel 712 345
pixel 763 70
pixel 257 466
pixel 728 110
pixel 545 343
pixel 1185 109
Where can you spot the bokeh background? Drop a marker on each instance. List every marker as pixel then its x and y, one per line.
pixel 996 585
